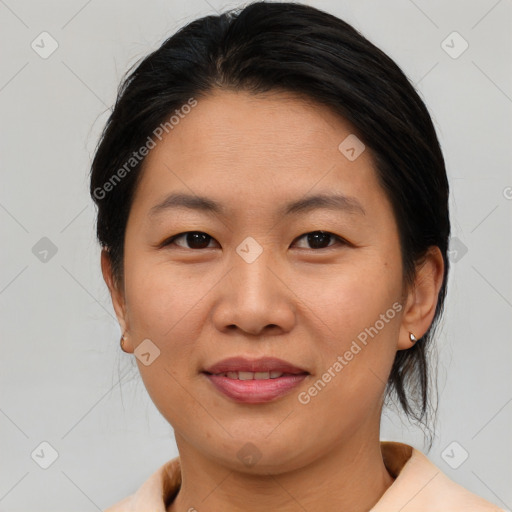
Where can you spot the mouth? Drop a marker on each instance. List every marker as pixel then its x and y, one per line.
pixel 254 381
pixel 261 366
pixel 253 375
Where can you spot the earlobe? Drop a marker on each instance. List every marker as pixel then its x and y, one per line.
pixel 422 299
pixel 116 294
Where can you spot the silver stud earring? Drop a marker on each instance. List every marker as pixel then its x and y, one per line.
pixel 412 338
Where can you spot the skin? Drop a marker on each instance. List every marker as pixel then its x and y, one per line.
pixel 301 304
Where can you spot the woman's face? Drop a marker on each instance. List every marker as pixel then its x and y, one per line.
pixel 256 285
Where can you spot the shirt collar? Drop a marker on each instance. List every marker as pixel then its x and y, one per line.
pixel 419 486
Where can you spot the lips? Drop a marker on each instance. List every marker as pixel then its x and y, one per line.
pixel 254 381
pixel 262 365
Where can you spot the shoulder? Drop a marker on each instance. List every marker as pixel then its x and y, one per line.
pixel 155 492
pixel 421 486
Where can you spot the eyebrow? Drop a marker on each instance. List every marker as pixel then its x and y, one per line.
pixel 303 205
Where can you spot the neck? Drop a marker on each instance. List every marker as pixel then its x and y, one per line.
pixel 351 477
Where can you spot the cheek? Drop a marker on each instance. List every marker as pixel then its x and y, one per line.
pixel 358 348
pixel 346 299
pixel 164 308
pixel 161 300
pixel 357 315
pixel 167 307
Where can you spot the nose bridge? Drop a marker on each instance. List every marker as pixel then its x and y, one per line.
pixel 252 278
pixel 253 297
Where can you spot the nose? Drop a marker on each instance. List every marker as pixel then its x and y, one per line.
pixel 255 298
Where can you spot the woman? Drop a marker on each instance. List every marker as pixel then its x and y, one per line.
pixel 273 211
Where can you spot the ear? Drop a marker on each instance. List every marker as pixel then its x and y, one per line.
pixel 117 296
pixel 422 298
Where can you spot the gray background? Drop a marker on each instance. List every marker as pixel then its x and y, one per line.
pixel 63 377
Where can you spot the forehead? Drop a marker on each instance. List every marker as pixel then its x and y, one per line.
pixel 256 151
pixel 274 130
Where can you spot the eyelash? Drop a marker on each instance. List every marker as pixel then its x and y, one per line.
pixel 337 238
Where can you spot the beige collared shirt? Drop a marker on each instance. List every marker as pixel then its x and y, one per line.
pixel 419 486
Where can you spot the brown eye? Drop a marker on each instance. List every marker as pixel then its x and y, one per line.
pixel 194 239
pixel 200 240
pixel 320 239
